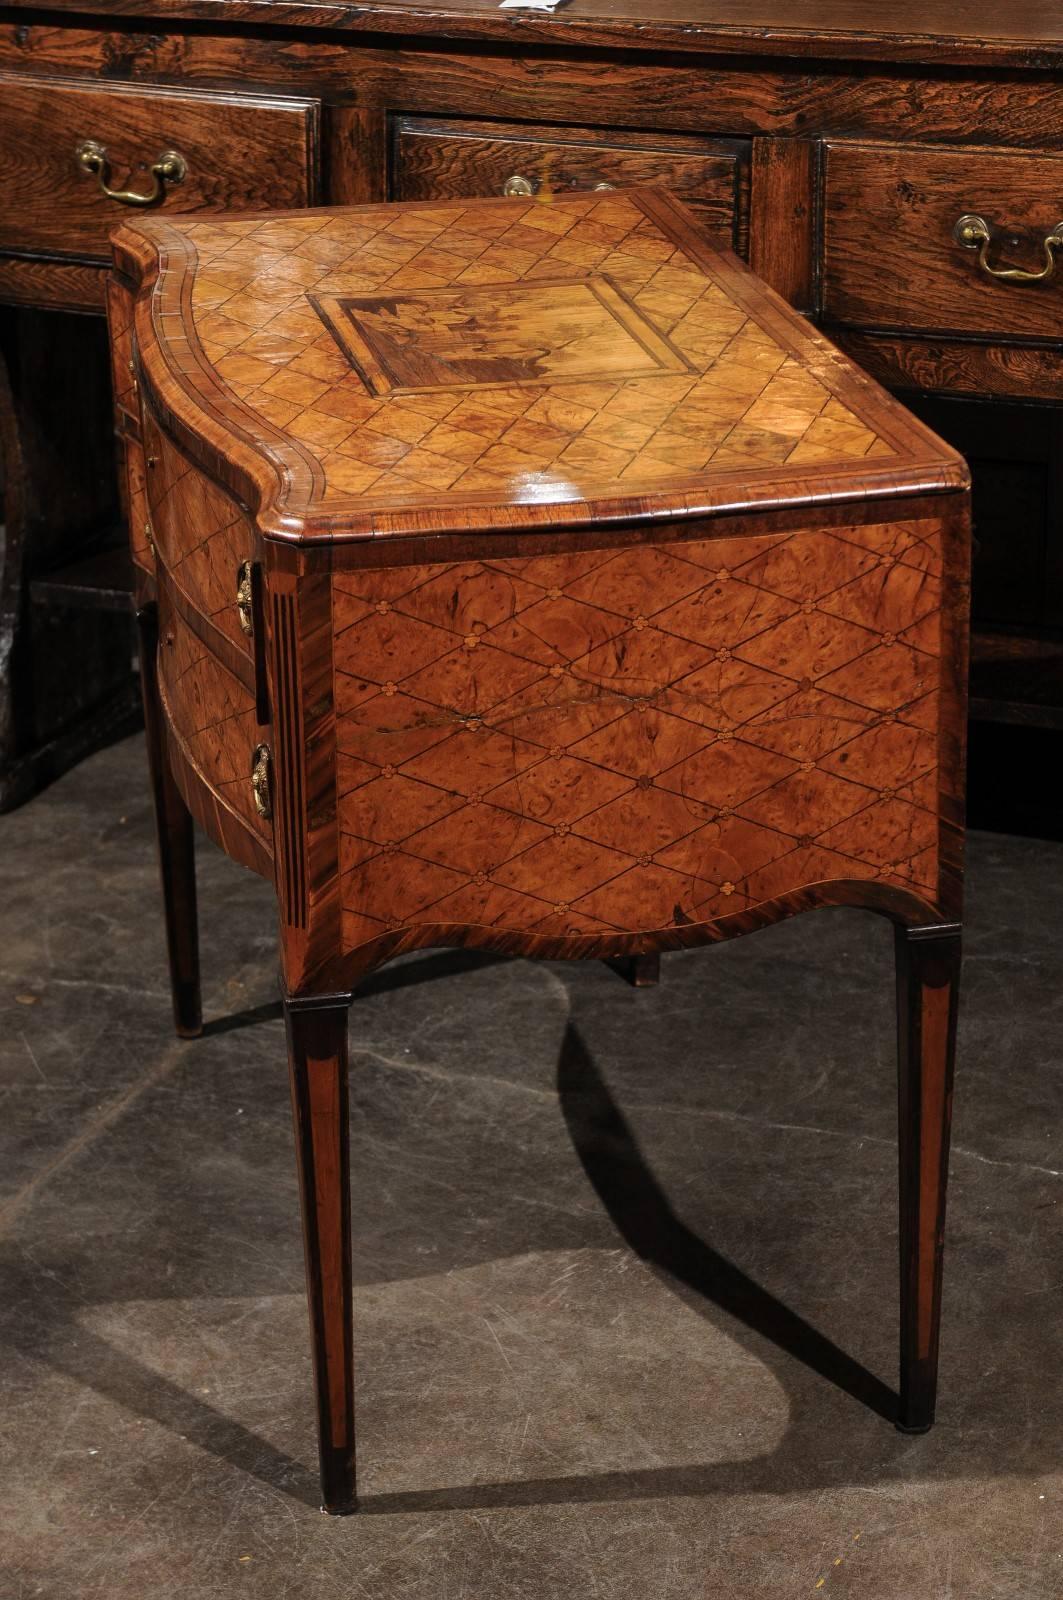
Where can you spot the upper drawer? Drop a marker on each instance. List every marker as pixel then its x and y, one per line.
pixel 434 160
pixel 240 151
pixel 890 256
pixel 201 537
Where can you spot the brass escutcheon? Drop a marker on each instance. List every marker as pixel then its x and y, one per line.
pixel 244 607
pixel 260 781
pixel 168 167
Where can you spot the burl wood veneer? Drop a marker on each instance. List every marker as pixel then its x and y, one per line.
pixel 528 576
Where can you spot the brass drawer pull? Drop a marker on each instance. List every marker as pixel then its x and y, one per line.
pixel 972 232
pixel 260 781
pixel 244 599
pixel 524 188
pixel 170 167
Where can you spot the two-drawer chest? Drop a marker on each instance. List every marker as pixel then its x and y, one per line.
pixel 530 577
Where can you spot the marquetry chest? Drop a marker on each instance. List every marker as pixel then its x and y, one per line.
pixel 524 574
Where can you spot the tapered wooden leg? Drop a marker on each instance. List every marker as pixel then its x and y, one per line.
pixel 177 861
pixel 928 971
pixel 317 1053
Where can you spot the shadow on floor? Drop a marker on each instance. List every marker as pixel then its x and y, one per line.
pixel 402 975
pixel 641 1212
pixel 819 1378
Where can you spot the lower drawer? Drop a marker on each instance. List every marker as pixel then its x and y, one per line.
pixel 432 160
pixel 213 732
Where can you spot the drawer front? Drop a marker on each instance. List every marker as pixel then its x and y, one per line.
pixel 890 257
pixel 239 152
pixel 434 160
pixel 201 535
pixel 213 732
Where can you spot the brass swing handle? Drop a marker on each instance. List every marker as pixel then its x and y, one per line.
pixel 972 232
pixel 260 785
pixel 245 593
pixel 170 168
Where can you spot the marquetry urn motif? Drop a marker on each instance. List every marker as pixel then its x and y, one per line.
pixel 593 602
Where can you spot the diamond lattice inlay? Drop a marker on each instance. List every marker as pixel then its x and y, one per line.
pixel 622 741
pixel 511 350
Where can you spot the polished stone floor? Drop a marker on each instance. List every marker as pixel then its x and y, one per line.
pixel 625 1260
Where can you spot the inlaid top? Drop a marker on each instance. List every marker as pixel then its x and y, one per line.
pixel 481 363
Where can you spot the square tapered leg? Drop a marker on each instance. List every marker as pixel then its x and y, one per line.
pixel 317 1054
pixel 928 970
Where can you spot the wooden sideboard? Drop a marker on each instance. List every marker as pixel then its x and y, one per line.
pixel 834 143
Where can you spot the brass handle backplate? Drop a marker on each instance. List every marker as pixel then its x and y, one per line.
pixel 972 231
pixel 260 781
pixel 244 599
pixel 169 167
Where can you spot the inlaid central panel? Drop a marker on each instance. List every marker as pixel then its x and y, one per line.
pixel 561 331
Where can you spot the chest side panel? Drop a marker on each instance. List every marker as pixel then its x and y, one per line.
pixel 615 742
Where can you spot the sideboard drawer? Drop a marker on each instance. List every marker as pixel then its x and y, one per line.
pixel 891 259
pixel 239 151
pixel 439 159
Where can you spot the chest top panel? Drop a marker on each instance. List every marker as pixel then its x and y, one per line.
pixel 495 363
pixel 1023 33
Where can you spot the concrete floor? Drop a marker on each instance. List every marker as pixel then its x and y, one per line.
pixel 625 1261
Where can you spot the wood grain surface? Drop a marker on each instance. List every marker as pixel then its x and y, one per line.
pixel 782 223
pixel 1026 34
pixel 647 89
pixel 956 366
pixel 51 285
pixel 434 159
